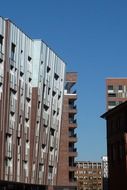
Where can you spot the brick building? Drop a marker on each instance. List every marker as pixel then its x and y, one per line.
pixel 32 79
pixel 116 120
pixel 89 175
pixel 116 91
pixel 68 152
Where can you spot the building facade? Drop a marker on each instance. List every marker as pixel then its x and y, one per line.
pixel 105 172
pixel 116 91
pixel 117 145
pixel 32 79
pixel 89 175
pixel 68 152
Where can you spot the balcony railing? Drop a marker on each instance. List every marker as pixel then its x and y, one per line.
pixel 72 121
pixel 72 164
pixel 72 149
pixel 72 106
pixel 73 135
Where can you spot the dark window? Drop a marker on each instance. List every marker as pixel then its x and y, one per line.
pixel 56 76
pixel 110 87
pixel 45 107
pixel 111 103
pixel 54 112
pixel 48 69
pixel 12 51
pixel 1 42
pixel 48 91
pixel 50 169
pixel 111 95
pixel 43 146
pixel 29 58
pixel 52 131
pixel 53 93
pixel 120 87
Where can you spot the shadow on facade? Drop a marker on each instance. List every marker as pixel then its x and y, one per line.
pixel 5 185
pixel 64 188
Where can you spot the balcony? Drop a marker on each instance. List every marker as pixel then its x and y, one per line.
pixel 72 94
pixel 72 178
pixel 73 151
pixel 72 125
pixel 73 137
pixel 72 108
pixel 72 167
pixel 72 122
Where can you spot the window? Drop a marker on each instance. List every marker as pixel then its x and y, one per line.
pixel 120 87
pixel 43 146
pixel 52 131
pixel 29 58
pixel 56 76
pixel 111 95
pixel 54 112
pixel 111 103
pixel 12 51
pixel 48 91
pixel 45 107
pixel 1 42
pixel 48 69
pixel 53 93
pixel 50 169
pixel 110 87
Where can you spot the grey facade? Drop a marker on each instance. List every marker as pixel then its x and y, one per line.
pixel 31 100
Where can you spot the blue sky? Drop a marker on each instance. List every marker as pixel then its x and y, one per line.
pixel 91 37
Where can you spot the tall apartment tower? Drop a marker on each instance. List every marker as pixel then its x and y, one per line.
pixel 116 91
pixel 68 152
pixel 32 79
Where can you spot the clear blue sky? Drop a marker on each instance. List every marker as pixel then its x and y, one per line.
pixel 91 37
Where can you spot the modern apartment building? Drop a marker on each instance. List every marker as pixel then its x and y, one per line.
pixel 32 79
pixel 116 120
pixel 89 175
pixel 68 152
pixel 116 91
